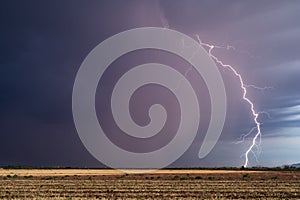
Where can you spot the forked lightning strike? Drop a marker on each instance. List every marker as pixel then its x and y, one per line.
pixel 244 88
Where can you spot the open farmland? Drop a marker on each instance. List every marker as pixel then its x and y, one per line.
pixel 161 184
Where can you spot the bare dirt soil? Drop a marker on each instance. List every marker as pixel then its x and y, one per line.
pixel 160 184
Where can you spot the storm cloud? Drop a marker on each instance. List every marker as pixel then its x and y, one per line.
pixel 42 45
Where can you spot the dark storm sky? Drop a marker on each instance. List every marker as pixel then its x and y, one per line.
pixel 43 43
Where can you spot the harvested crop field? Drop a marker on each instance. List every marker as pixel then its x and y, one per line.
pixel 161 184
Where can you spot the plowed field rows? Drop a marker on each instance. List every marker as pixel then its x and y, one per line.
pixel 172 185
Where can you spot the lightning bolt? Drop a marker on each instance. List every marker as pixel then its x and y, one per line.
pixel 257 138
pixel 256 141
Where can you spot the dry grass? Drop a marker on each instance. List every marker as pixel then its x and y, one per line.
pixel 161 184
pixel 97 172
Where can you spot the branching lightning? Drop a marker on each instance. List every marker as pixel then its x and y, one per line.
pixel 258 88
pixel 257 138
pixel 256 141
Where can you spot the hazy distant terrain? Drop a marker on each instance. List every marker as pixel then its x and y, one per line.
pixel 296 165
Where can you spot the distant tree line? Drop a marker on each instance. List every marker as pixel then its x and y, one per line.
pixel 283 168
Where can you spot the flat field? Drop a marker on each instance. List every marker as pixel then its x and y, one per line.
pixel 161 184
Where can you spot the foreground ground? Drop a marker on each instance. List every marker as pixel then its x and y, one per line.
pixel 161 184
